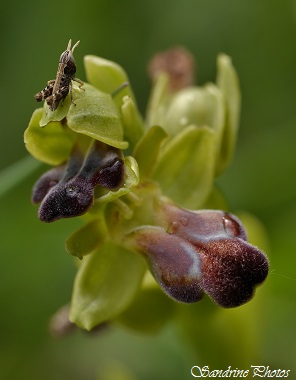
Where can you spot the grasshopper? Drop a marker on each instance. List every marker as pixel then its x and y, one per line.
pixel 58 88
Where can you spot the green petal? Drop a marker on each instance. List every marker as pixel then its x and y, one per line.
pixel 52 144
pixel 107 76
pixel 131 172
pixel 132 121
pixel 158 102
pixel 186 167
pixel 147 150
pixel 87 239
pixel 95 114
pixel 227 81
pixel 105 285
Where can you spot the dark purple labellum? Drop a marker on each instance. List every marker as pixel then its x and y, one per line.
pixel 231 270
pixel 68 191
pixel 66 200
pixel 46 182
pixel 204 251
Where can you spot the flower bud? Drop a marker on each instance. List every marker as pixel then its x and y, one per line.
pixel 198 106
pixel 177 63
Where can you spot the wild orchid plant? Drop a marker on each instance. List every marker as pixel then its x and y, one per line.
pixel 145 189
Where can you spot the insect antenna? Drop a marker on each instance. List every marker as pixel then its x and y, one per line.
pixel 69 44
pixel 77 43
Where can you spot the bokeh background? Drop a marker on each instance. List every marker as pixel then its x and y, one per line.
pixel 36 274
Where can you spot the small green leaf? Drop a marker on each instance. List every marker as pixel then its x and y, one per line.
pixel 52 144
pixel 228 83
pixel 95 114
pixel 87 238
pixel 106 283
pixel 185 170
pixel 147 150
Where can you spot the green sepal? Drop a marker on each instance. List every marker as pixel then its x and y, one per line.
pixel 131 179
pixel 185 170
pixel 105 285
pixel 95 114
pixel 228 83
pixel 150 310
pixel 147 150
pixel 87 238
pixel 61 112
pixel 107 76
pixel 51 145
pixel 132 121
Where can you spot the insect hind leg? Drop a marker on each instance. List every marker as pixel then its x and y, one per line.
pixel 46 92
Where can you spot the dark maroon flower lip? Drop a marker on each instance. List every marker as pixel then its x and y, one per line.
pixel 232 269
pixel 202 252
pixel 46 182
pixel 66 200
pixel 68 190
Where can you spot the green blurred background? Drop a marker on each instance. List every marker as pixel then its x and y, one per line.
pixel 36 274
